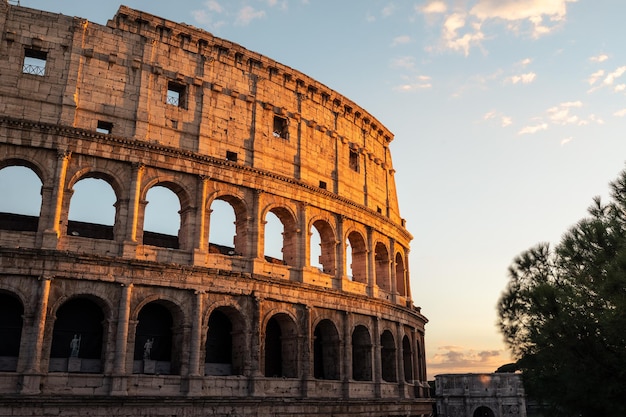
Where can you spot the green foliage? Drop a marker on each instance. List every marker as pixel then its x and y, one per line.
pixel 563 314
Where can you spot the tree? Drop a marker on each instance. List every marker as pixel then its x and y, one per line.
pixel 563 314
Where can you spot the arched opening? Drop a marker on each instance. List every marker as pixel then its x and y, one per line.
pixel 401 281
pixel 281 347
pixel 77 337
pixel 225 344
pixel 219 345
pixel 326 359
pixel 222 230
pixel 20 204
pixel 11 312
pixel 162 220
pixel 483 411
pixel 388 356
pixel 407 359
pixel 92 209
pixel 381 258
pixel 361 354
pixel 357 261
pixel 280 237
pixel 155 350
pixel 323 255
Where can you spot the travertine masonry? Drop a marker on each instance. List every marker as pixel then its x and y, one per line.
pixel 177 325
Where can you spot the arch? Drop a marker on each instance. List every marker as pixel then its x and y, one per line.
pixel 327 246
pixel 401 277
pixel 20 187
pixel 358 258
pixel 381 260
pixel 92 208
pixel 158 337
pixel 232 240
pixel 78 333
pixel 11 323
pixel 388 356
pixel 326 357
pixel 163 221
pixel 361 354
pixel 281 347
pixel 225 343
pixel 407 359
pixel 288 240
pixel 483 411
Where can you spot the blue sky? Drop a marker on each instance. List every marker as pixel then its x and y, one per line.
pixel 508 115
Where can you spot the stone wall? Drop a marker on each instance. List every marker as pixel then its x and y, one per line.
pixel 178 323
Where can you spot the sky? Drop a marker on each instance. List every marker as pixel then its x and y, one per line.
pixel 508 116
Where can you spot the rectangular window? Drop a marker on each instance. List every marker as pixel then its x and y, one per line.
pixel 35 62
pixel 104 127
pixel 231 156
pixel 354 161
pixel 323 185
pixel 175 94
pixel 280 129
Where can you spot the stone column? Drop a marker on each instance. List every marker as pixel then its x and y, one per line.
pixel 340 253
pixel 53 226
pixel 118 387
pixel 201 243
pixel 371 268
pixel 130 241
pixel 195 376
pixel 378 366
pixel 400 360
pixel 392 273
pixel 32 375
pixel 347 354
pixel 305 364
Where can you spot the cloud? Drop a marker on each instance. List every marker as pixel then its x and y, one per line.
pixel 247 14
pixel 612 76
pixel 455 359
pixel 388 10
pixel 415 83
pixel 205 17
pixel 599 58
pixel 533 129
pixel 401 40
pixel 620 113
pixel 403 62
pixel 593 78
pixel 524 62
pixel 567 140
pixel 463 29
pixel 501 118
pixel 434 7
pixel 522 78
pixel 561 115
pixel 619 87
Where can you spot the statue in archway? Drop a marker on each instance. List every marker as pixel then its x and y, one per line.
pixel 147 348
pixel 75 346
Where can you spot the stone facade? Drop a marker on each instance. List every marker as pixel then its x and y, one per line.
pixel 480 395
pixel 117 320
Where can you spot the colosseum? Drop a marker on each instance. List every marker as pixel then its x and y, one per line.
pixel 117 319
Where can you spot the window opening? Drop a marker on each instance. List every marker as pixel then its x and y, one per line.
pixel 35 62
pixel 104 127
pixel 280 129
pixel 323 185
pixel 354 161
pixel 175 94
pixel 231 156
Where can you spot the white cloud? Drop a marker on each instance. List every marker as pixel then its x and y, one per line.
pixel 388 10
pixel 455 359
pixel 247 14
pixel 463 29
pixel 494 115
pixel 561 114
pixel 522 78
pixel 620 113
pixel 593 78
pixel 533 129
pixel 434 7
pixel 566 140
pixel 401 40
pixel 619 87
pixel 403 62
pixel 415 83
pixel 524 62
pixel 612 76
pixel 599 58
pixel 505 121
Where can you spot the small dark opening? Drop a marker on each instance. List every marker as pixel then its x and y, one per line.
pixel 323 185
pixel 231 156
pixel 104 127
pixel 280 129
pixel 175 94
